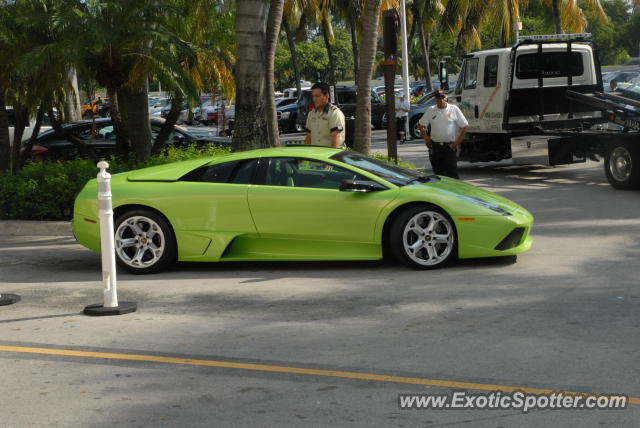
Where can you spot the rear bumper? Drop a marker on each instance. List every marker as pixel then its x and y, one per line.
pixel 86 230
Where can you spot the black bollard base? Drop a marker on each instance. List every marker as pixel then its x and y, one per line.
pixel 8 299
pixel 98 310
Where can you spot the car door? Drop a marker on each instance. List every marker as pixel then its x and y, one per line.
pixel 208 208
pixel 299 199
pixel 465 95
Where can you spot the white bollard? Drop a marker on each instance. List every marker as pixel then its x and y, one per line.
pixel 107 248
pixel 107 244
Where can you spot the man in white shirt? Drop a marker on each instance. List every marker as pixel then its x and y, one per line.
pixel 402 112
pixel 443 128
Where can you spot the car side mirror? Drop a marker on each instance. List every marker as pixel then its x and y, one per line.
pixel 362 186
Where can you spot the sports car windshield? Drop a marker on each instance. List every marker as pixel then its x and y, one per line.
pixel 392 173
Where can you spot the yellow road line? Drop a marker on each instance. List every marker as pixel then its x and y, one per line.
pixel 291 370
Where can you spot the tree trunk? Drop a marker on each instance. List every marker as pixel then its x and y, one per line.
pixel 72 97
pixel 332 62
pixel 250 127
pixel 136 121
pixel 354 45
pixel 22 120
pixel 368 43
pixel 274 19
pixel 169 123
pixel 122 139
pixel 556 16
pixel 36 130
pixel 294 55
pixel 425 40
pixel 5 140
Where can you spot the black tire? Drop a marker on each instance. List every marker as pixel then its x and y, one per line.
pixel 396 238
pixel 622 166
pixel 169 251
pixel 413 128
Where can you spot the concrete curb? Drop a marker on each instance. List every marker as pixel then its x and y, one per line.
pixel 35 228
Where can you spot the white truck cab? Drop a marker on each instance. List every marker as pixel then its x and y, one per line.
pixel 522 87
pixel 511 92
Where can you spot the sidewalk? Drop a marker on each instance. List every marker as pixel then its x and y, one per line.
pixel 35 228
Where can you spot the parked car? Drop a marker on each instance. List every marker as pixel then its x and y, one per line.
pixel 415 113
pixel 624 76
pixel 298 203
pixel 346 101
pixel 184 113
pixel 287 118
pixel 54 145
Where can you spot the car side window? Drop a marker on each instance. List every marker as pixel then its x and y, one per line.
pixel 471 73
pixel 313 174
pixel 243 172
pixel 491 71
pixel 218 173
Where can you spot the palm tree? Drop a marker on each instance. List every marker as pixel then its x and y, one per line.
pixel 370 17
pixel 569 15
pixel 351 11
pixel 426 15
pixel 253 20
pixel 291 20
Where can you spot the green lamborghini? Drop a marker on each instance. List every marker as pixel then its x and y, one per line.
pixel 298 203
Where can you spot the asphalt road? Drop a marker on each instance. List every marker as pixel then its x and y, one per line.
pixel 260 344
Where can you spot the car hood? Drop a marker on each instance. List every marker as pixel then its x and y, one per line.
pixel 167 172
pixel 467 199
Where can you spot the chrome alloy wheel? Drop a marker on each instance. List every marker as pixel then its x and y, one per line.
pixel 620 163
pixel 428 238
pixel 139 242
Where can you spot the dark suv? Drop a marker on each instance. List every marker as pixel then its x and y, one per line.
pixel 346 101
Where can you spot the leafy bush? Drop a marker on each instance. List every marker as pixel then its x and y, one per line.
pixel 47 190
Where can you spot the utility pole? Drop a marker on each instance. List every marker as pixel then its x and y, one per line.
pixel 390 47
pixel 405 59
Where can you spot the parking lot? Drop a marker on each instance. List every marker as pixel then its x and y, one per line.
pixel 334 343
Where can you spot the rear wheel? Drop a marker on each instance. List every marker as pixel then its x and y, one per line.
pixel 423 237
pixel 144 242
pixel 622 166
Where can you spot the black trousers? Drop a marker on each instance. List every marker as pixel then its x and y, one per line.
pixel 443 160
pixel 400 121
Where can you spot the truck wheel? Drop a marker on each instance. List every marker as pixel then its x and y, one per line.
pixel 622 166
pixel 423 237
pixel 414 129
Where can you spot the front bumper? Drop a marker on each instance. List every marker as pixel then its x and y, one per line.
pixel 493 236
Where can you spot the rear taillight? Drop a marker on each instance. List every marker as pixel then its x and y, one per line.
pixel 37 150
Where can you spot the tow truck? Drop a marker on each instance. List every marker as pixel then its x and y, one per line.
pixel 542 101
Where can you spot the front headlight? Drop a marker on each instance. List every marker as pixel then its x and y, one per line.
pixel 489 205
pixel 286 114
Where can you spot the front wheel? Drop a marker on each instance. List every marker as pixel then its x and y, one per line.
pixel 622 166
pixel 144 242
pixel 423 238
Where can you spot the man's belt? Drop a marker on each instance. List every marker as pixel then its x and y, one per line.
pixel 442 143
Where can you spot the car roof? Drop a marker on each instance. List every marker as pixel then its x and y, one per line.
pixel 297 150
